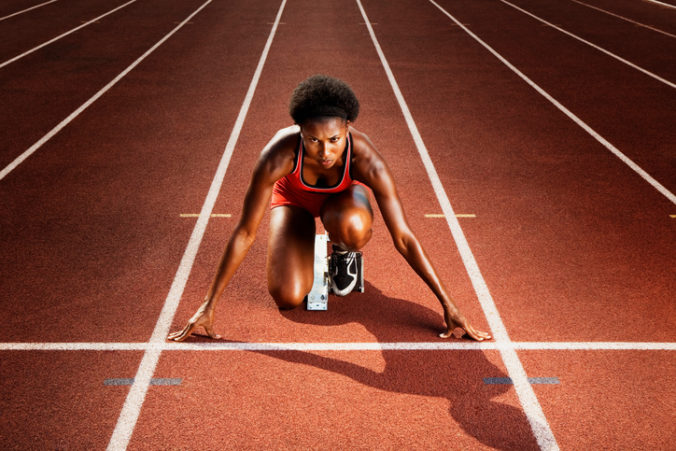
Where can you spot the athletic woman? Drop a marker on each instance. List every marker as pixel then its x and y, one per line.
pixel 320 167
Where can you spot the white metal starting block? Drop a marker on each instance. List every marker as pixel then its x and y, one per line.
pixel 318 298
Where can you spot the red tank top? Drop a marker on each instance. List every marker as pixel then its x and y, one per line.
pixel 296 176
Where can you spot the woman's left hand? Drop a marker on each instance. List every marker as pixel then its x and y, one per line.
pixel 458 326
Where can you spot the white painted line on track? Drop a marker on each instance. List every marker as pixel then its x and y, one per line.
pixel 625 18
pixel 668 5
pixel 599 48
pixel 531 406
pixel 28 152
pixel 44 44
pixel 27 9
pixel 342 346
pixel 614 150
pixel 458 215
pixel 213 215
pixel 126 422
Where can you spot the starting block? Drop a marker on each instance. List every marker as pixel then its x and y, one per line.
pixel 318 298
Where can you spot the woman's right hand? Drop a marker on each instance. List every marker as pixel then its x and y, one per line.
pixel 204 317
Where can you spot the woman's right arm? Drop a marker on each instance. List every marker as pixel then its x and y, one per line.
pixel 275 161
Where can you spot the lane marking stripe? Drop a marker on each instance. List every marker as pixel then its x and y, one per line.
pixel 599 48
pixel 213 215
pixel 458 215
pixel 44 44
pixel 356 346
pixel 153 381
pixel 614 150
pixel 531 407
pixel 27 9
pixel 668 5
pixel 132 405
pixel 531 380
pixel 625 18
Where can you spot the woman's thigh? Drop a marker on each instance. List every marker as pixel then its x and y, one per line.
pixel 290 255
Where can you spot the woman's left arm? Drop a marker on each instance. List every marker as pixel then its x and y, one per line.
pixel 373 171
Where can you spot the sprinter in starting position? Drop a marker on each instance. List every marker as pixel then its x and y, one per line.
pixel 320 167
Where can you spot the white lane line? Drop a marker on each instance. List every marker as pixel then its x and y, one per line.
pixel 27 9
pixel 531 407
pixel 600 49
pixel 28 152
pixel 595 346
pixel 614 150
pixel 44 44
pixel 126 422
pixel 213 215
pixel 458 215
pixel 342 346
pixel 625 18
pixel 668 5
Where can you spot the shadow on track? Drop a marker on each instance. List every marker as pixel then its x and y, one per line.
pixel 453 375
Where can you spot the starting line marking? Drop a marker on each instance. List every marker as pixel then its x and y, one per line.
pixel 212 215
pixel 339 346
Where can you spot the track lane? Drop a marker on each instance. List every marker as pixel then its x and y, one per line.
pixel 43 88
pixel 645 11
pixel 586 82
pixel 59 401
pixel 396 305
pixel 559 257
pixel 11 7
pixel 608 400
pixel 95 217
pixel 32 29
pixel 337 400
pixel 625 18
pixel 646 49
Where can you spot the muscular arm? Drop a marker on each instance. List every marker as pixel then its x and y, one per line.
pixel 275 161
pixel 371 169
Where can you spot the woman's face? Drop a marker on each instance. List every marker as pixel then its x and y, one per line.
pixel 325 140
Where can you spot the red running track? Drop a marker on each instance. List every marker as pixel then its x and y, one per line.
pixel 573 245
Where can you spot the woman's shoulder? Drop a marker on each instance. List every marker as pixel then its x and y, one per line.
pixel 367 162
pixel 278 155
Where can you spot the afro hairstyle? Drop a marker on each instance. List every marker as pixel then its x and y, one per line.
pixel 323 96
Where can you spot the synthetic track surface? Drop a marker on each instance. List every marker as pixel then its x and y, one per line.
pixel 573 245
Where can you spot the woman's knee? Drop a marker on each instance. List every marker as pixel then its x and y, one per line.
pixel 288 296
pixel 348 218
pixel 350 228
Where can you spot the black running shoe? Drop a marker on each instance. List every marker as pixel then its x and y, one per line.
pixel 344 271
